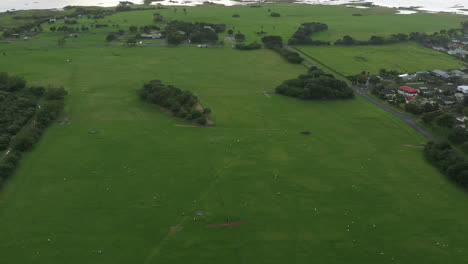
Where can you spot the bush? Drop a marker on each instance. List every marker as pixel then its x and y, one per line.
pixel 251 46
pixel 274 14
pixel 55 93
pixel 235 15
pixel 194 114
pixel 201 120
pixel 239 37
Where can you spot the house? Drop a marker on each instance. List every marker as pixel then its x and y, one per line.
pixel 460 97
pixel 208 27
pixel 447 100
pixel 463 76
pixel 52 20
pixel 424 91
pixel 458 52
pixel 202 46
pixel 463 89
pixel 152 35
pixel 441 74
pixel 407 77
pixel 408 92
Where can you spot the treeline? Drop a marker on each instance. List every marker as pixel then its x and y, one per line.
pixel 182 104
pixel 18 106
pixel 316 85
pixel 303 34
pixel 445 158
pixel 178 31
pixel 276 43
pixel 251 46
pixel 441 38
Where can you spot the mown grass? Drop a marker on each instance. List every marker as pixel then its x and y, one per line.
pixel 112 197
pixel 403 57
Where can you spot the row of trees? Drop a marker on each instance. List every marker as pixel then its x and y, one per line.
pixel 276 43
pixel 181 103
pixel 304 32
pixel 18 105
pixel 439 118
pixel 448 161
pixel 316 85
pixel 251 46
pixel 441 38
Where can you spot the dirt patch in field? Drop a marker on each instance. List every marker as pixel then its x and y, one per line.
pixel 230 39
pixel 413 146
pixel 266 93
pixel 228 224
pixel 184 126
pixel 176 228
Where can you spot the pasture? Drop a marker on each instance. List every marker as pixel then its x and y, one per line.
pixel 124 182
pixel 403 57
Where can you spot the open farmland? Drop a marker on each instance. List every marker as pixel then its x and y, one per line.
pixel 125 182
pixel 402 57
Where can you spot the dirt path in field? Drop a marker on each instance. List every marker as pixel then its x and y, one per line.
pixel 413 146
pixel 228 224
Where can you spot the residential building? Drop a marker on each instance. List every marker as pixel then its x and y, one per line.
pixel 463 89
pixel 408 92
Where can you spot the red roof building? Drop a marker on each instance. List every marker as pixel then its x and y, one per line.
pixel 407 91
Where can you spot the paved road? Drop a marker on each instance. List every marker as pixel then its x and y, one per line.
pixel 407 119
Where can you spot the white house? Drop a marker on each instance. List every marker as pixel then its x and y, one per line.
pixel 463 89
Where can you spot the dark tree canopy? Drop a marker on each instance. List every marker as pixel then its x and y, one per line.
pixel 181 103
pixel 305 31
pixel 316 85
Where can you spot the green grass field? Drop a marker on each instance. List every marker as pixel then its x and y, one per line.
pixel 403 57
pixel 112 197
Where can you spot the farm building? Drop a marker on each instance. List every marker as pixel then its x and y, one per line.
pixel 152 35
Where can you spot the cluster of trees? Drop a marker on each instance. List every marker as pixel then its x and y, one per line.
pixel 158 18
pixel 316 85
pixel 444 157
pixel 304 32
pixel 239 37
pixel 374 40
pixel 440 118
pixel 418 109
pixel 67 29
pixel 276 43
pixel 251 46
pixel 181 103
pixel 179 31
pixel 123 6
pixel 18 105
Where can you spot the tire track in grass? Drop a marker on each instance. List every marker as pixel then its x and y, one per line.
pixel 155 251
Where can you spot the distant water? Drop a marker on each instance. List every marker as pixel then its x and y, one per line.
pixel 454 6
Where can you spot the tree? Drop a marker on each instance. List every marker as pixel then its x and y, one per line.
pixel 53 29
pixel 55 93
pixel 445 120
pixel 133 29
pixel 131 42
pixel 239 37
pixel 175 38
pixel 230 32
pixel 111 37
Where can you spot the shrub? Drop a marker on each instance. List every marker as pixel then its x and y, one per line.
pixel 194 114
pixel 274 14
pixel 235 15
pixel 201 120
